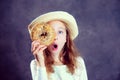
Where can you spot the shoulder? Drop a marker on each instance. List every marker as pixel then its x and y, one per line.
pixel 33 63
pixel 81 72
pixel 80 62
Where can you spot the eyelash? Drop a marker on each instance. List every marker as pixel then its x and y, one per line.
pixel 60 32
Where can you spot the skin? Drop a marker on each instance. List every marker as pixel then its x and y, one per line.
pixel 59 40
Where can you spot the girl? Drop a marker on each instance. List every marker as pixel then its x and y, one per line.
pixel 59 60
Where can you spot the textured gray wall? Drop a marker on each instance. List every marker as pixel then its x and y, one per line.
pixel 98 41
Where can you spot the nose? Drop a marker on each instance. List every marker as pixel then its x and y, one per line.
pixel 56 37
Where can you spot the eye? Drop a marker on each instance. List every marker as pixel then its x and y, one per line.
pixel 60 32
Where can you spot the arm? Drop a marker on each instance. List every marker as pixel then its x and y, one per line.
pixel 37 66
pixel 38 73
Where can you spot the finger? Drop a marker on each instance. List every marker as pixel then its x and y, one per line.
pixel 40 49
pixel 36 50
pixel 36 57
pixel 43 48
pixel 34 45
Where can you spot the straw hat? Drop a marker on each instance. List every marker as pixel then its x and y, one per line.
pixel 57 15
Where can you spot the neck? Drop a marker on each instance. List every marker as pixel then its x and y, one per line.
pixel 57 61
pixel 56 58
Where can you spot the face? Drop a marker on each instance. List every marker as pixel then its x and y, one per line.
pixel 56 47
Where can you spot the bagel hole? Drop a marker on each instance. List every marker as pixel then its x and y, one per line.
pixel 44 34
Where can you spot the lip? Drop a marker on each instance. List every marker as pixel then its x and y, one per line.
pixel 54 47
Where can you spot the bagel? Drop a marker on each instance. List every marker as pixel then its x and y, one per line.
pixel 43 32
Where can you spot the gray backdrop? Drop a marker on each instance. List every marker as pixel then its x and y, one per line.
pixel 98 40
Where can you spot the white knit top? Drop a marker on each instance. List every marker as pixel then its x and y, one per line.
pixel 60 72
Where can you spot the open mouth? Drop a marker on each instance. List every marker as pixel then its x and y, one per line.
pixel 55 46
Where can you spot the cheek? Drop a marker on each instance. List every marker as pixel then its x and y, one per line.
pixel 62 39
pixel 62 43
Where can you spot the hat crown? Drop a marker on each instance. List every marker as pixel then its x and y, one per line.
pixel 58 15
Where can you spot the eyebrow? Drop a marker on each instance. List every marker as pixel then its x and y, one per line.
pixel 62 28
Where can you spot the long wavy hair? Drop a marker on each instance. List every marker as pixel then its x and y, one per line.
pixel 67 57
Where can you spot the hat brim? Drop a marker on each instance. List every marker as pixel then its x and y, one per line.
pixel 58 15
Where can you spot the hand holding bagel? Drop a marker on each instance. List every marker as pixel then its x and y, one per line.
pixel 37 50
